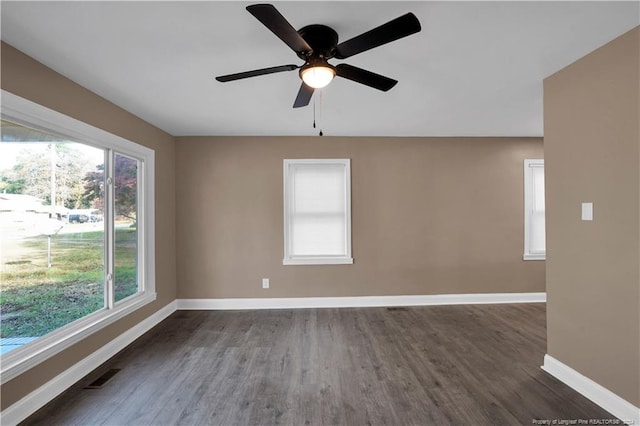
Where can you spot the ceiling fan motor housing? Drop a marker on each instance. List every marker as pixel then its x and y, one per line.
pixel 322 39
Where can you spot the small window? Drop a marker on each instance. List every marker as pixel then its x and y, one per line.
pixel 317 212
pixel 534 227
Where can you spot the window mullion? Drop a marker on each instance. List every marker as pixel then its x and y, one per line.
pixel 109 240
pixel 140 223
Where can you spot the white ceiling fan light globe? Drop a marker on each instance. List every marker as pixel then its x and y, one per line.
pixel 318 76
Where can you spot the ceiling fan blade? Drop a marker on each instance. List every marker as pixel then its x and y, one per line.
pixel 393 30
pixel 365 77
pixel 255 73
pixel 272 19
pixel 304 96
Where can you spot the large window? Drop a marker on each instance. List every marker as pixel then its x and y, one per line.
pixel 317 212
pixel 76 231
pixel 534 227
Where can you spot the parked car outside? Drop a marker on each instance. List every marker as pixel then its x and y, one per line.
pixel 78 218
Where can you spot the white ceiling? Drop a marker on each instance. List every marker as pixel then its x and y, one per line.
pixel 475 69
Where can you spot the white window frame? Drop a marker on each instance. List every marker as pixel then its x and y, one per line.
pixel 289 258
pixel 528 204
pixel 25 112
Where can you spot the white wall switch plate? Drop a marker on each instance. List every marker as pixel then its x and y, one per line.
pixel 587 211
pixel 265 283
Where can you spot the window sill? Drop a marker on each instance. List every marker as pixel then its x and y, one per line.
pixel 529 256
pixel 318 261
pixel 25 357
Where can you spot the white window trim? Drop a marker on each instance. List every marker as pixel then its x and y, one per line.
pixel 528 202
pixel 23 111
pixel 290 259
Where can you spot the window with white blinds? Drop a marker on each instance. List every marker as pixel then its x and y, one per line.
pixel 534 227
pixel 317 212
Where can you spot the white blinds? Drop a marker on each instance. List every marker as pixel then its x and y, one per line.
pixel 317 209
pixel 535 244
pixel 537 241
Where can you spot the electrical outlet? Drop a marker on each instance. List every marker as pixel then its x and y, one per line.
pixel 265 283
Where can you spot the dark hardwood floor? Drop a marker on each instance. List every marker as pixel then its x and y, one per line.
pixel 436 365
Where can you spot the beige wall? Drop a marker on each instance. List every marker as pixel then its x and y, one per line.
pixel 591 131
pixel 29 79
pixel 430 216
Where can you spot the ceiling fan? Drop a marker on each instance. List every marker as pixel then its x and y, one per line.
pixel 316 44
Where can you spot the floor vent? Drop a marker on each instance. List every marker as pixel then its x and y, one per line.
pixel 102 380
pixel 397 308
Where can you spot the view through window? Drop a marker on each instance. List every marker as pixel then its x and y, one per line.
pixel 58 220
pixel 126 235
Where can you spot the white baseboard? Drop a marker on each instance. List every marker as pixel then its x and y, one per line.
pixel 359 301
pixel 54 387
pixel 602 396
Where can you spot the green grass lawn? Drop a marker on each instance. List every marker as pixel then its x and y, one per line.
pixel 36 300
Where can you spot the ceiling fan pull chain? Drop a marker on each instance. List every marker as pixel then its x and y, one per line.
pixel 320 113
pixel 314 113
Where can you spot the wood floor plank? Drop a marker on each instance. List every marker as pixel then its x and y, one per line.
pixel 437 365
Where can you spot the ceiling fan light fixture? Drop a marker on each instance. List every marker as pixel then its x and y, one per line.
pixel 317 76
